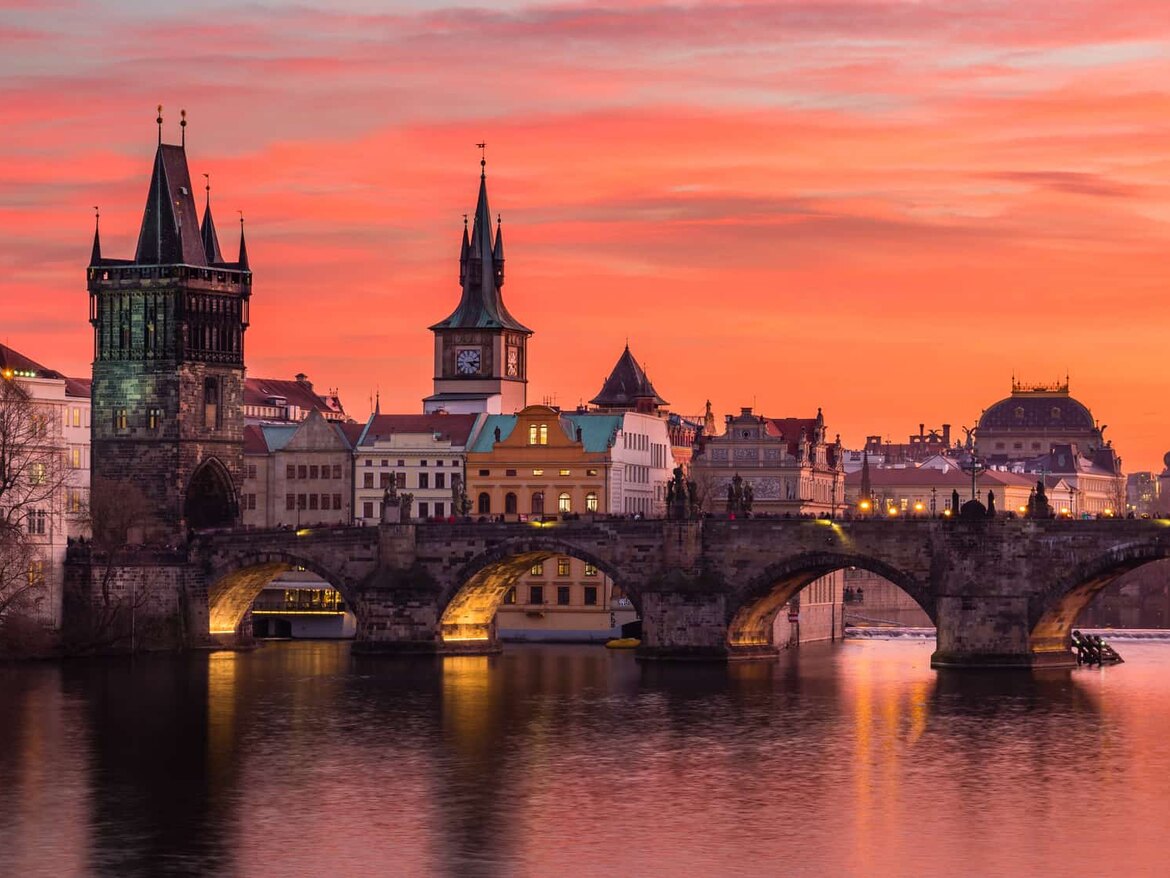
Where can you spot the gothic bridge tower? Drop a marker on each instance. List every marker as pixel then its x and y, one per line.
pixel 168 366
pixel 481 350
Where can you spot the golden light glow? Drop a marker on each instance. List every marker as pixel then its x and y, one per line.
pixel 1021 509
pixel 223 630
pixel 297 613
pixel 464 639
pixel 946 513
pixel 918 507
pixel 892 511
pixel 304 532
pixel 543 523
pixel 864 504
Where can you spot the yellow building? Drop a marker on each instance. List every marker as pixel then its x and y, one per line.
pixel 544 464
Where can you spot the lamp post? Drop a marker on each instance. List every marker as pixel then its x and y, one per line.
pixel 933 501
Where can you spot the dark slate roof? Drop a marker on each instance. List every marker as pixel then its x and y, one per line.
pixel 627 382
pixel 207 233
pixel 18 362
pixel 1028 412
pixel 170 224
pixel 257 391
pixel 78 388
pixel 481 305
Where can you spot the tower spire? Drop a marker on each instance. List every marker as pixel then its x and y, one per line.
pixel 464 252
pixel 207 228
pixel 95 256
pixel 243 263
pixel 159 121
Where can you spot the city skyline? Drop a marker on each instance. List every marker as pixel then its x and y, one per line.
pixel 765 232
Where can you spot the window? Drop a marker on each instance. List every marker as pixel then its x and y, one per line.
pixel 438 463
pixel 484 504
pixel 325 504
pixel 120 419
pixel 440 480
pixel 383 480
pixel 312 501
pixel 210 403
pixel 509 472
pixel 537 569
pixel 337 501
pixel 590 570
pixel 538 472
pixel 290 501
pixel 368 480
pixel 314 472
pixel 251 501
pixel 302 472
pixel 337 471
pixel 590 472
pixel 290 472
pixel 325 471
pixel 509 503
pixel 385 462
pixel 424 510
pixel 422 463
pixel 153 418
pixel 510 596
pixel 538 503
pixel 485 472
pixel 565 472
pixel 562 595
pixel 400 480
pixel 438 510
pixel 422 480
pixel 591 501
pixel 401 463
pixel 38 474
pixel 301 504
pixel 36 573
pixel 565 502
pixel 76 417
pixel 368 510
pixel 564 566
pixel 251 471
pixel 36 522
pixel 536 594
pixel 75 458
pixel 591 595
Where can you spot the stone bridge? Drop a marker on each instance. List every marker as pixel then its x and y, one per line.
pixel 1003 593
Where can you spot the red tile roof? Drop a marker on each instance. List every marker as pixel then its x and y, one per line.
pixel 257 391
pixel 254 440
pixel 457 428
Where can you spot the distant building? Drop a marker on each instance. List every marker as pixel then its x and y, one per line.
pixel 1143 493
pixel 421 454
pixel 275 400
pixel 65 405
pixel 918 447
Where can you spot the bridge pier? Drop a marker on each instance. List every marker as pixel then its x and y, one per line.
pixel 684 625
pixel 990 631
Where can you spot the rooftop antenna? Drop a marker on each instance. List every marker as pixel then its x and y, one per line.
pixel 482 147
pixel 183 128
pixel 159 121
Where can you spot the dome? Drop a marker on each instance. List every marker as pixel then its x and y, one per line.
pixel 1038 412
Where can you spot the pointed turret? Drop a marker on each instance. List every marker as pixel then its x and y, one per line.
pixel 243 262
pixel 498 253
pixel 207 230
pixel 481 275
pixel 628 388
pixel 95 256
pixel 464 253
pixel 170 223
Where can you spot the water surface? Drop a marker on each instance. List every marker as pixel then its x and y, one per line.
pixel 855 759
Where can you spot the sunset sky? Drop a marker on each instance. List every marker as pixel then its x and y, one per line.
pixel 880 208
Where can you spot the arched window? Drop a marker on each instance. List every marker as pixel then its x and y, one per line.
pixel 510 503
pixel 544 434
pixel 565 502
pixel 538 503
pixel 538 435
pixel 485 504
pixel 591 501
pixel 210 403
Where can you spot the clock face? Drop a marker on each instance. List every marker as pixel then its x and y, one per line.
pixel 467 361
pixel 513 364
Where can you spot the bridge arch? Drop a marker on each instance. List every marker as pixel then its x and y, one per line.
pixel 233 586
pixel 468 605
pixel 1053 615
pixel 752 615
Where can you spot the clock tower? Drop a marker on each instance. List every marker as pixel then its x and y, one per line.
pixel 481 351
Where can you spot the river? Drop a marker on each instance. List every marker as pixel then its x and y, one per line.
pixel 299 759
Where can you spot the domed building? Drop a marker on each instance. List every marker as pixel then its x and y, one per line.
pixel 1042 429
pixel 1032 421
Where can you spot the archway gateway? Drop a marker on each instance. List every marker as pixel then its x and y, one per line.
pixel 210 500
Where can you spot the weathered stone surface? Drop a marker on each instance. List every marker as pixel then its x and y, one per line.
pixel 1003 593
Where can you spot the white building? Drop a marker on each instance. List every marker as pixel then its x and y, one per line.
pixel 66 406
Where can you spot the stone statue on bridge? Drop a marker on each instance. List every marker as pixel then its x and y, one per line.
pixel 735 496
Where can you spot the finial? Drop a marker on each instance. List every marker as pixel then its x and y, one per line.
pixel 183 127
pixel 159 121
pixel 482 158
pixel 207 187
pixel 498 220
pixel 97 217
pixel 465 221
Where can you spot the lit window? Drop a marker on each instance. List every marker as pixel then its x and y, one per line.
pixel 590 472
pixel 537 569
pixel 564 502
pixel 532 434
pixel 544 434
pixel 563 566
pixel 591 502
pixel 565 472
pixel 590 570
pixel 538 472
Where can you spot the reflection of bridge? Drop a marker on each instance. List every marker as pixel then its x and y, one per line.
pixel 1002 593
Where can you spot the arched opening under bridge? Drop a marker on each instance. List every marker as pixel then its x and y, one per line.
pixel 1064 607
pixel 210 500
pixel 802 599
pixel 248 585
pixel 536 590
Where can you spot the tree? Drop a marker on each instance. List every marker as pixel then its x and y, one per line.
pixel 32 481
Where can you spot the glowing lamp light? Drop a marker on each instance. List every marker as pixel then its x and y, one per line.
pixel 7 373
pixel 946 513
pixel 892 511
pixel 304 532
pixel 1021 509
pixel 918 507
pixel 864 505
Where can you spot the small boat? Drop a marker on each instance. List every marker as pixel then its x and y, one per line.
pixel 623 643
pixel 1092 650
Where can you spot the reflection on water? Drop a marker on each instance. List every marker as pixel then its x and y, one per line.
pixel 855 759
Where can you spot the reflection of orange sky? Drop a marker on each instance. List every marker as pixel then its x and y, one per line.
pixel 800 207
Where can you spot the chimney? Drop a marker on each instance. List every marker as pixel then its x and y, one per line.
pixel 745 411
pixel 947 435
pixel 922 431
pixel 302 378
